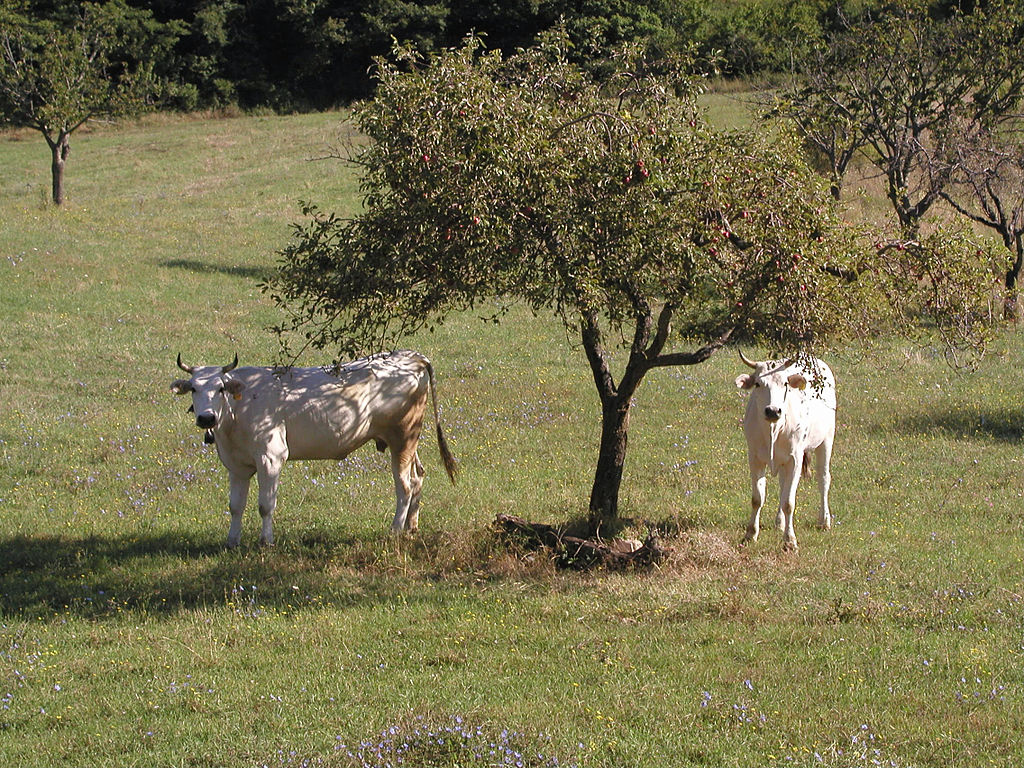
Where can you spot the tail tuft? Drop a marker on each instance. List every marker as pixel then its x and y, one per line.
pixel 807 468
pixel 450 465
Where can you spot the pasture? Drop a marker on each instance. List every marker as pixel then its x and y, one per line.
pixel 129 636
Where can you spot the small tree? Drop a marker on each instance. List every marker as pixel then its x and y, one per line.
pixel 611 204
pixel 55 77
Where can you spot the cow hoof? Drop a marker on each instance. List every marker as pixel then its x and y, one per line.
pixel 790 546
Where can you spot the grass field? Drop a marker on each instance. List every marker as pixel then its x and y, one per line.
pixel 130 637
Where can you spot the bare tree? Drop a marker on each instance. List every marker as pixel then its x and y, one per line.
pixel 893 88
pixel 988 188
pixel 832 125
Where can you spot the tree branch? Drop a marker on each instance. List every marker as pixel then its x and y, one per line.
pixel 591 335
pixel 695 357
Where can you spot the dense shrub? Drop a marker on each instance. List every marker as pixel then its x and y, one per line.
pixel 291 54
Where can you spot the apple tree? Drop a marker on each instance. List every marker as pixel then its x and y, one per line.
pixel 610 204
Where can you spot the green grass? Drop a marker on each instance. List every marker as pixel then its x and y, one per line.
pixel 129 636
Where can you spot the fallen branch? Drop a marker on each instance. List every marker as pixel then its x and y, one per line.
pixel 578 553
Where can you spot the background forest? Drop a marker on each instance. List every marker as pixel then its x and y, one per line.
pixel 313 54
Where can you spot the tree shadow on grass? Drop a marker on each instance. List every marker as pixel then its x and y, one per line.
pixel 1003 425
pixel 100 577
pixel 201 267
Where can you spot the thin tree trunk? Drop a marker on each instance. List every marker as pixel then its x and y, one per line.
pixel 1011 308
pixel 611 459
pixel 59 150
pixel 651 333
pixel 615 402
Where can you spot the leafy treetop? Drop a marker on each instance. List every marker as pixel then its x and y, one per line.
pixel 523 178
pixel 609 202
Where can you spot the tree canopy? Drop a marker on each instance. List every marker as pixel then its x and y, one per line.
pixel 302 54
pixel 608 202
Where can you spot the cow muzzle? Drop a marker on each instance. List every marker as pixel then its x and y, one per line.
pixel 206 421
pixel 773 413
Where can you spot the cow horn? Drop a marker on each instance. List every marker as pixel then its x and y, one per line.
pixel 183 367
pixel 746 359
pixel 228 368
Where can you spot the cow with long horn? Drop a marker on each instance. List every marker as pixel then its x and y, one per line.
pixel 790 416
pixel 189 369
pixel 262 417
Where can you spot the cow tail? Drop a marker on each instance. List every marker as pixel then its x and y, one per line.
pixel 807 468
pixel 442 443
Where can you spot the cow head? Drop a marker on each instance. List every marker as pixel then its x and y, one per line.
pixel 210 387
pixel 770 385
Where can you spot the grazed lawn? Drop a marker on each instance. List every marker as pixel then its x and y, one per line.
pixel 129 636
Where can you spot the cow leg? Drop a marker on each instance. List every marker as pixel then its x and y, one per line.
pixel 789 479
pixel 758 484
pixel 403 462
pixel 781 520
pixel 269 476
pixel 412 518
pixel 239 495
pixel 823 459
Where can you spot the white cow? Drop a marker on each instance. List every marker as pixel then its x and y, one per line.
pixel 791 413
pixel 260 418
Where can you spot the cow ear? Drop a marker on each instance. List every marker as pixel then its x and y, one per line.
pixel 797 381
pixel 744 381
pixel 234 387
pixel 181 386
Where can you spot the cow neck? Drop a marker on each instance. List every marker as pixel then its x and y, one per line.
pixel 227 419
pixel 773 434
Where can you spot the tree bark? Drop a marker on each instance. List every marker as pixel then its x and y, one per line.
pixel 59 150
pixel 1011 308
pixel 611 459
pixel 616 400
pixel 649 339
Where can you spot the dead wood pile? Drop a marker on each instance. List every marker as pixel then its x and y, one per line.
pixel 582 553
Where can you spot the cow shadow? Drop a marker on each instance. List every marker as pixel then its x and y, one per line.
pixel 101 577
pixel 1000 424
pixel 259 274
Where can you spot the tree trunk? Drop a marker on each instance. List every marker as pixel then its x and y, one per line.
pixel 604 496
pixel 615 402
pixel 649 340
pixel 1011 309
pixel 59 150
